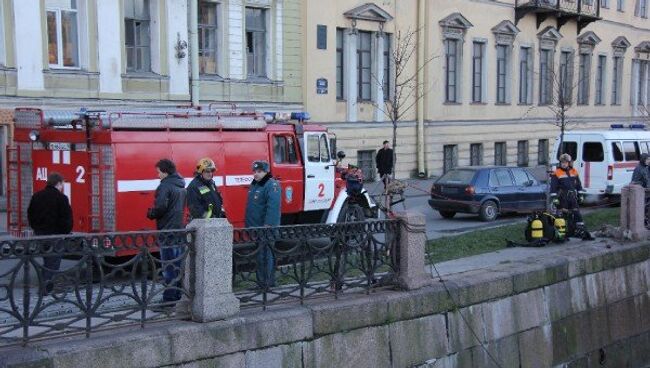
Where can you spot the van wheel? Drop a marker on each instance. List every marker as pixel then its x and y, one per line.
pixel 447 214
pixel 489 211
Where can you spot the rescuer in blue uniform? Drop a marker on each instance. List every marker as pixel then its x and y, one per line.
pixel 263 209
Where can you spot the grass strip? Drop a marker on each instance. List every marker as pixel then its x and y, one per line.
pixel 490 240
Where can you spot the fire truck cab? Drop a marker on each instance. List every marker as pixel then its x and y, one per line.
pixel 107 160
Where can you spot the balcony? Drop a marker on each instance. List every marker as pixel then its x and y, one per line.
pixel 582 11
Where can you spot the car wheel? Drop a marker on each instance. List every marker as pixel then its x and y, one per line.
pixel 489 211
pixel 447 214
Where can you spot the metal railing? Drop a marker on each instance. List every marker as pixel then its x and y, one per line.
pixel 89 291
pixel 307 261
pixel 581 7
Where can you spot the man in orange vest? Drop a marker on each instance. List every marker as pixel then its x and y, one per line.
pixel 566 190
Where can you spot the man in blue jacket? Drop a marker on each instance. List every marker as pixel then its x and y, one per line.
pixel 263 209
pixel 168 212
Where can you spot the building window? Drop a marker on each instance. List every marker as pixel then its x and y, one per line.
pixel 502 73
pixel 366 162
pixel 641 8
pixel 136 35
pixel 477 71
pixel 542 152
pixel 641 82
pixel 620 5
pixel 525 76
pixel 256 42
pixel 584 75
pixel 339 63
pixel 452 70
pixel 62 36
pixel 500 152
pixel 450 156
pixel 545 77
pixel 3 60
pixel 387 53
pixel 522 153
pixel 600 79
pixel 617 72
pixel 208 38
pixel 604 4
pixel 476 154
pixel 364 65
pixel 566 78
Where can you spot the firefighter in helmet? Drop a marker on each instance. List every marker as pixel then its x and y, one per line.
pixel 203 199
pixel 566 190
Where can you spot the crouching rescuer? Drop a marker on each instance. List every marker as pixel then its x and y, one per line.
pixel 203 199
pixel 567 194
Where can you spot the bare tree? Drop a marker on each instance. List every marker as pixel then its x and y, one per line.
pixel 404 89
pixel 564 91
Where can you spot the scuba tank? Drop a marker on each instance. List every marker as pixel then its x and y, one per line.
pixel 537 229
pixel 560 226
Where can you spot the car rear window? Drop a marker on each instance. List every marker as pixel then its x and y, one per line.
pixel 500 178
pixel 593 152
pixel 457 177
pixel 521 177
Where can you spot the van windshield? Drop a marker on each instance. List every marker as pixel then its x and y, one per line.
pixel 457 177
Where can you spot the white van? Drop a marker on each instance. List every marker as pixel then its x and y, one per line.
pixel 605 159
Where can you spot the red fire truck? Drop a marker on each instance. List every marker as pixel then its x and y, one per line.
pixel 108 158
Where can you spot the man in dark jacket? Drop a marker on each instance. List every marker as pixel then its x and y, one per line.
pixel 203 199
pixel 384 160
pixel 168 213
pixel 49 213
pixel 566 189
pixel 641 174
pixel 263 209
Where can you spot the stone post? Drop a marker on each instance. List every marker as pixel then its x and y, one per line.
pixel 633 212
pixel 412 251
pixel 209 275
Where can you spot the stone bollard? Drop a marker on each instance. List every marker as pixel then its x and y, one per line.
pixel 209 275
pixel 412 251
pixel 633 212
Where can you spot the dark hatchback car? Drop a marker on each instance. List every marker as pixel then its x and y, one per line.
pixel 487 191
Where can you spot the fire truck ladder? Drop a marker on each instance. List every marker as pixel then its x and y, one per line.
pixel 96 166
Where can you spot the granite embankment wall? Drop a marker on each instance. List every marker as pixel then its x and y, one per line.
pixel 585 305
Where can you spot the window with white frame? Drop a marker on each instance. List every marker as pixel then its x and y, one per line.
pixel 478 63
pixel 62 33
pixel 364 65
pixel 2 36
pixel 617 76
pixel 500 154
pixel 452 70
pixel 208 38
pixel 641 83
pixel 522 153
pixel 620 5
pixel 256 42
pixel 641 8
pixel 476 154
pixel 545 76
pixel 137 39
pixel 339 63
pixel 450 157
pixel 525 76
pixel 502 74
pixel 542 152
pixel 604 4
pixel 600 80
pixel 565 96
pixel 584 75
pixel 387 61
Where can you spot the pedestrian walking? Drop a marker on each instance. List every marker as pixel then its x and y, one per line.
pixel 263 209
pixel 384 161
pixel 168 212
pixel 49 213
pixel 203 199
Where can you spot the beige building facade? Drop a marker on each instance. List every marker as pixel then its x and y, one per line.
pixel 490 74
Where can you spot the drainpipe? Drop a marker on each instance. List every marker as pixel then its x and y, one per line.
pixel 420 85
pixel 194 52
